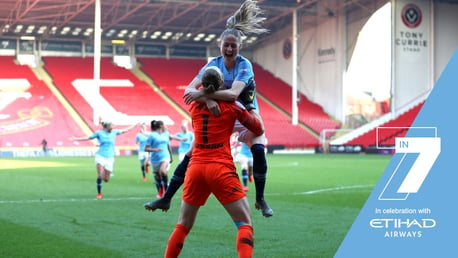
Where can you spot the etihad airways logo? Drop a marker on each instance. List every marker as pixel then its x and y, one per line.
pixel 396 223
pixel 416 156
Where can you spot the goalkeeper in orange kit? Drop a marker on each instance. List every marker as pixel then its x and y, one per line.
pixel 212 170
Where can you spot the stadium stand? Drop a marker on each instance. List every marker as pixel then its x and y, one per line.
pixel 397 126
pixel 310 114
pixel 138 100
pixel 30 112
pixel 37 113
pixel 172 75
pixel 279 129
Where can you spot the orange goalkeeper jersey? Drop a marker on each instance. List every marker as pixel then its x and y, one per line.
pixel 212 134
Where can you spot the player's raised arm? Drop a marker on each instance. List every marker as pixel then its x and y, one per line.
pixel 73 138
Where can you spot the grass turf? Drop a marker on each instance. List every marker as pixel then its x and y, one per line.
pixel 48 209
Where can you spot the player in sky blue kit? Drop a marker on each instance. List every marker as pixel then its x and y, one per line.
pixel 245 158
pixel 240 85
pixel 158 145
pixel 143 157
pixel 186 139
pixel 104 157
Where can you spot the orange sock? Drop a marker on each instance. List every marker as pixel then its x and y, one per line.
pixel 245 241
pixel 176 241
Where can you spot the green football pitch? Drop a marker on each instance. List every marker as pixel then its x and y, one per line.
pixel 48 209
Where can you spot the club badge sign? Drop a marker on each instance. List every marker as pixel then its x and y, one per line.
pixel 287 49
pixel 412 33
pixel 411 15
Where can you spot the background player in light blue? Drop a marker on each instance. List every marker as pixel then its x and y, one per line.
pixel 245 158
pixel 158 144
pixel 104 157
pixel 186 139
pixel 143 156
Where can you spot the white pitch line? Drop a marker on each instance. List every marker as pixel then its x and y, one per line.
pixel 69 200
pixel 339 188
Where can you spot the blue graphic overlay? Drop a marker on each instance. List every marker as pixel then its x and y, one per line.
pixel 413 209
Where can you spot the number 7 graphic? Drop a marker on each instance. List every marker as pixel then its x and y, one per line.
pixel 428 149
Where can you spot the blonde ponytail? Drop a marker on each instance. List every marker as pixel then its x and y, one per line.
pixel 246 20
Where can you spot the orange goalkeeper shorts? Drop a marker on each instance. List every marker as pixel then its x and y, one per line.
pixel 203 179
